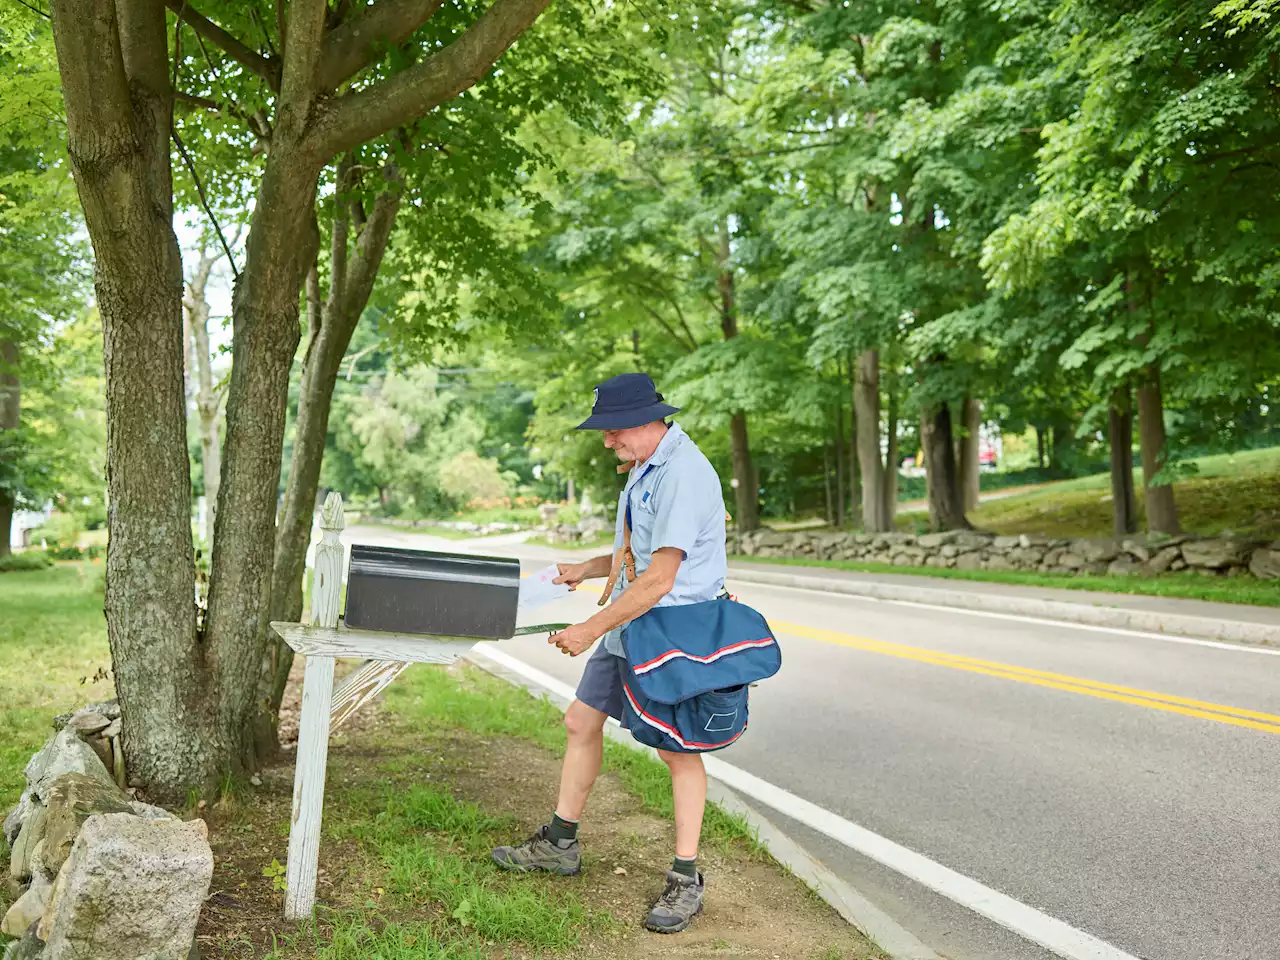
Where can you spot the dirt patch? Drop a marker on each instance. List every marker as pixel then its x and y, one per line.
pixel 753 908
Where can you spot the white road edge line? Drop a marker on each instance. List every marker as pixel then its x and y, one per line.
pixel 1040 928
pixel 1045 621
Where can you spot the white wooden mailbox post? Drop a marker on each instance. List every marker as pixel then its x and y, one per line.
pixel 322 641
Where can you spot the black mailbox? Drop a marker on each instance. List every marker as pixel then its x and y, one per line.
pixel 444 594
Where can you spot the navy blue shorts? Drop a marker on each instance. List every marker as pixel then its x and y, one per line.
pixel 601 685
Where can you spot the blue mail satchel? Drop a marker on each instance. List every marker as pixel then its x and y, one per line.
pixel 689 667
pixel 688 673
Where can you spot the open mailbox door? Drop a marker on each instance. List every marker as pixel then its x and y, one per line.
pixel 439 594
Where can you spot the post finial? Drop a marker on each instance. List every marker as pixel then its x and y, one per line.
pixel 331 514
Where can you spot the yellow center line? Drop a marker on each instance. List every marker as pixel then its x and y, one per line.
pixel 1204 710
pixel 1101 690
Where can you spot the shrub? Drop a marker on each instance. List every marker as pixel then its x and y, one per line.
pixel 21 562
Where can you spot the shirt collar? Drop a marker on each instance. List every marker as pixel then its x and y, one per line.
pixel 674 438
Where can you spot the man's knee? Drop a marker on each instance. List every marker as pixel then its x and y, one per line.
pixel 583 722
pixel 681 761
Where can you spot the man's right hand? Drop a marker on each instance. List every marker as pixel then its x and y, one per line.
pixel 572 574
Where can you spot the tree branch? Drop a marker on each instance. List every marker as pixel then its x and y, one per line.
pixel 204 201
pixel 372 246
pixel 305 30
pixel 665 326
pixel 360 41
pixel 34 9
pixel 411 93
pixel 251 60
pixel 96 90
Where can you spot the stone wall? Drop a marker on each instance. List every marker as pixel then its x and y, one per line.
pixel 969 550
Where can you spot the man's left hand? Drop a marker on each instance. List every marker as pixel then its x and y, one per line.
pixel 575 639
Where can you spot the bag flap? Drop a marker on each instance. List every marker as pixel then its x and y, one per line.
pixel 676 653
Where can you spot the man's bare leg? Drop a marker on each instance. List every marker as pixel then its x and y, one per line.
pixel 554 848
pixel 583 754
pixel 689 791
pixel 681 901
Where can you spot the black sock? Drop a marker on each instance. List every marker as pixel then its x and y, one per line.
pixel 562 829
pixel 686 868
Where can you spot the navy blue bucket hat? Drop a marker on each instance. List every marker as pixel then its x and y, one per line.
pixel 625 401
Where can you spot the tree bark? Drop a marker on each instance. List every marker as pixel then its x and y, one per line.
pixel 839 451
pixel 826 482
pixel 10 419
pixel 197 314
pixel 1162 511
pixel 969 466
pixel 331 328
pixel 747 491
pixel 1039 447
pixel 855 474
pixel 946 507
pixel 1124 507
pixel 891 461
pixel 866 405
pixel 119 109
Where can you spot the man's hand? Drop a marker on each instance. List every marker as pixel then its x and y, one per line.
pixel 575 639
pixel 572 574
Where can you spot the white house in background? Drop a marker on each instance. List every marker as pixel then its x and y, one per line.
pixel 24 521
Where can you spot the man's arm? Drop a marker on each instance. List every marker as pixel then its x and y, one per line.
pixel 639 597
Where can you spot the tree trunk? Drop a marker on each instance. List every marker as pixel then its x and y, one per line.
pixel 839 451
pixel 1062 448
pixel 855 474
pixel 747 491
pixel 1162 511
pixel 1039 447
pixel 969 466
pixel 570 493
pixel 946 507
pixel 1124 507
pixel 197 314
pixel 10 418
pixel 891 461
pixel 826 482
pixel 331 328
pixel 119 109
pixel 866 405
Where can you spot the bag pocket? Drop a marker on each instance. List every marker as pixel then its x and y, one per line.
pixel 710 721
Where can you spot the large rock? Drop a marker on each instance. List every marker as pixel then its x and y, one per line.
pixel 18 816
pixel 131 889
pixel 28 908
pixel 1265 563
pixel 931 541
pixel 969 561
pixel 73 799
pixel 29 947
pixel 971 540
pixel 20 856
pixel 64 753
pixel 1215 554
pixel 1096 551
pixel 1164 559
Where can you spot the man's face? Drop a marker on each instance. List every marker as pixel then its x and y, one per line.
pixel 625 443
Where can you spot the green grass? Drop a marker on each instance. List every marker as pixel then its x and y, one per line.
pixel 53 641
pixel 1237 492
pixel 436 701
pixel 1187 586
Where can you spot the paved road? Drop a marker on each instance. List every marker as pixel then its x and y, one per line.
pixel 1127 786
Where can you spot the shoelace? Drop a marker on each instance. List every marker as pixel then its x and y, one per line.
pixel 671 896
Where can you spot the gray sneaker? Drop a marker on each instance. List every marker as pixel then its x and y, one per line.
pixel 563 857
pixel 678 905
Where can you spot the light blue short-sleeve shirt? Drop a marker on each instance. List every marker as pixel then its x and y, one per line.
pixel 676 501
